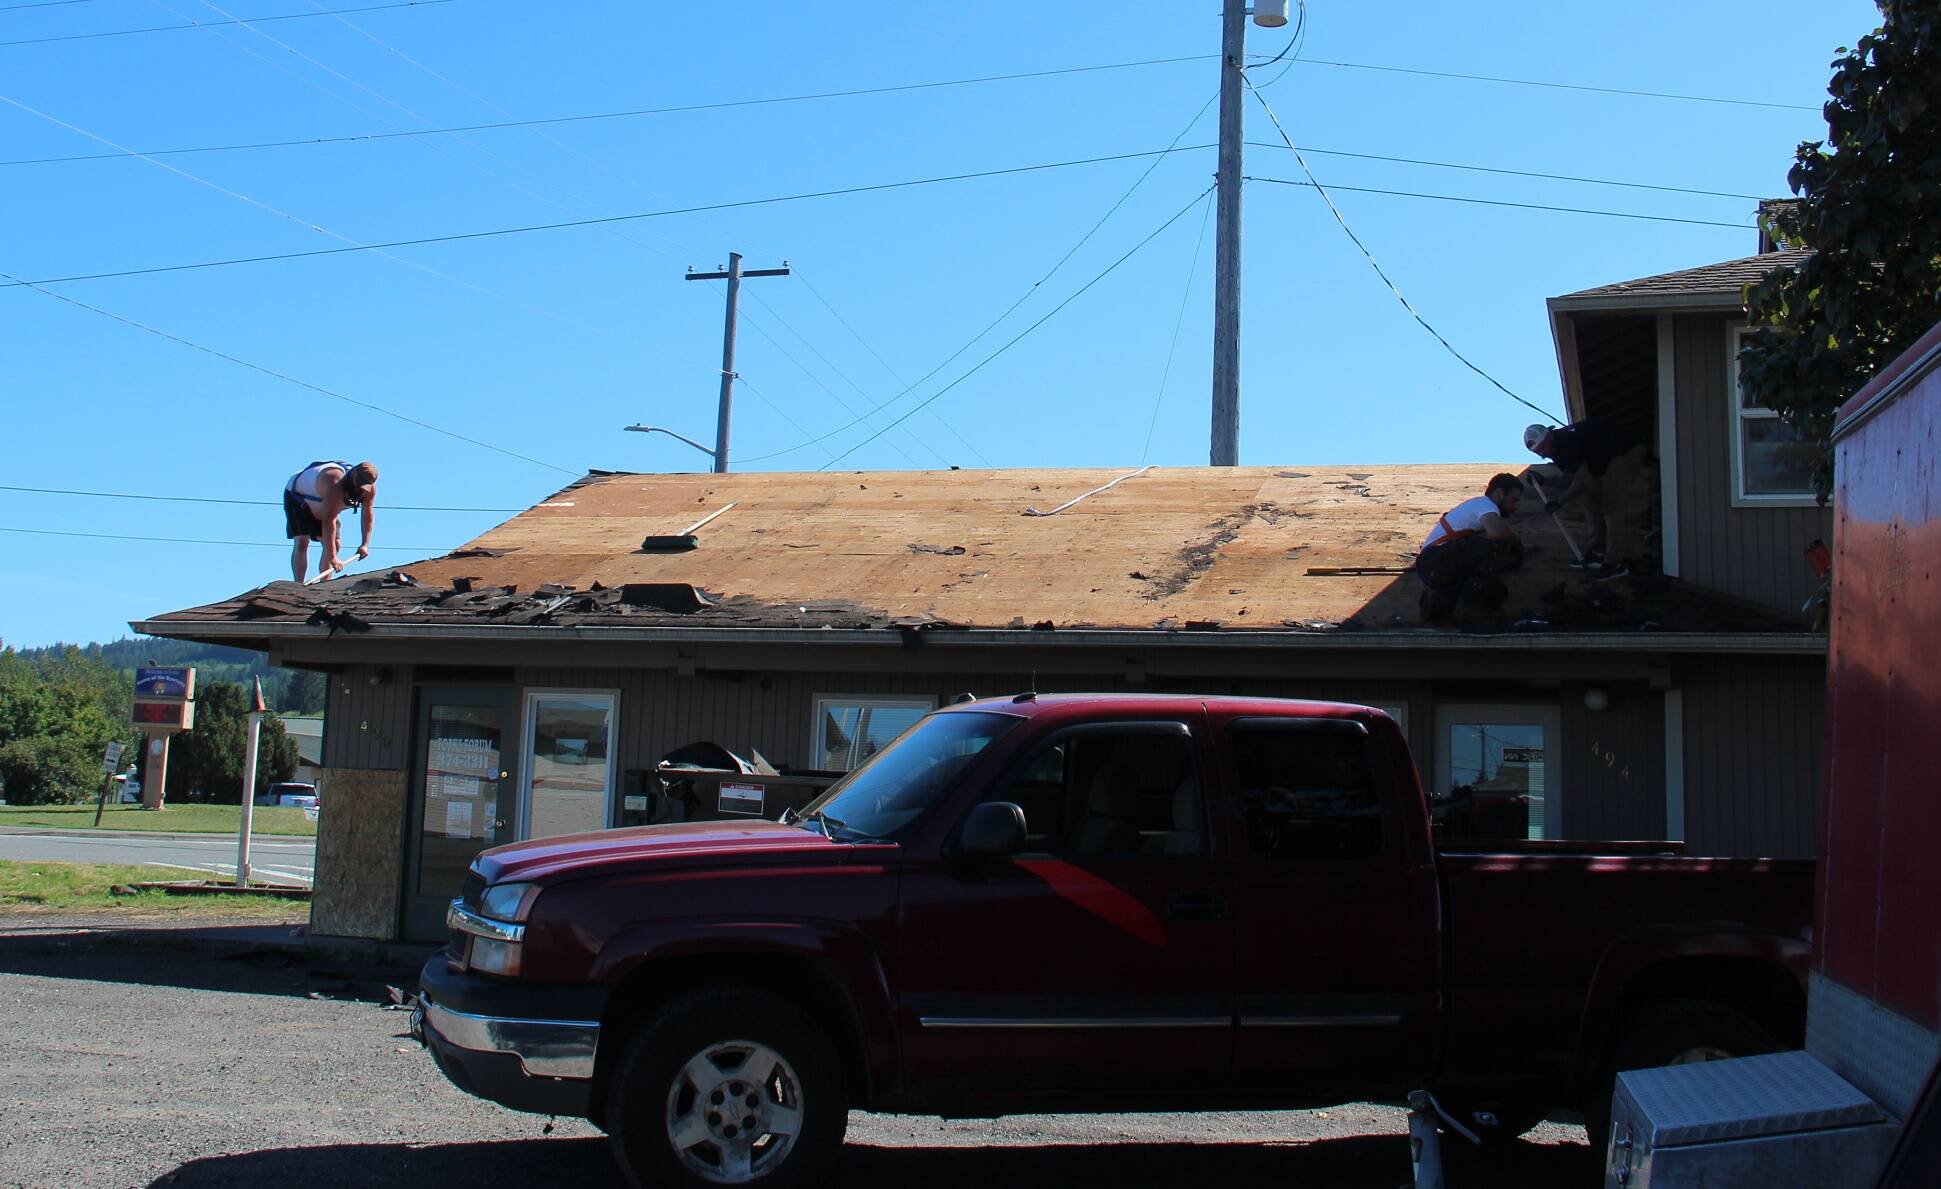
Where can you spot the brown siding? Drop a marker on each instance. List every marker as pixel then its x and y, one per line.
pixel 1613 776
pixel 1751 553
pixel 367 718
pixel 1752 753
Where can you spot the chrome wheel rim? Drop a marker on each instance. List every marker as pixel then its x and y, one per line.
pixel 734 1111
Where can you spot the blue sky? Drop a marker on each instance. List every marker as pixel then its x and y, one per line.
pixel 546 344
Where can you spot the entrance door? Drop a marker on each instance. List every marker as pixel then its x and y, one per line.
pixel 460 797
pixel 1505 756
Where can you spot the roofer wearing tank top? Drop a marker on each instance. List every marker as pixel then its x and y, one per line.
pixel 1601 458
pixel 313 499
pixel 1469 546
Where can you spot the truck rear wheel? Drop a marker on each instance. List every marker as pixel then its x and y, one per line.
pixel 727 1087
pixel 1671 1032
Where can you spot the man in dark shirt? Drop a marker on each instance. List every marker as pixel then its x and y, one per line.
pixel 1601 459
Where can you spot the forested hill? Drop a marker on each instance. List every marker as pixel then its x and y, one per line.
pixel 289 690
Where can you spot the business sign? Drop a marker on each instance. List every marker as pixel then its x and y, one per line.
pixel 165 683
pixel 164 714
pixel 111 759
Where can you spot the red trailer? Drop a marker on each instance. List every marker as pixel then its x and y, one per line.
pixel 1875 1004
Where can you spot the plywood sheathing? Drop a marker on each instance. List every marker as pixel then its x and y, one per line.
pixel 1212 548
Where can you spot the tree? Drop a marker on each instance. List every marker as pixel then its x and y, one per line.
pixel 206 764
pixel 1869 207
pixel 58 710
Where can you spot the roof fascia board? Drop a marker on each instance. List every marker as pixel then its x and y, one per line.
pixel 1799 643
pixel 1563 334
pixel 1639 303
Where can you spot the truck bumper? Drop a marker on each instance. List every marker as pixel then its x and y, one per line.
pixel 530 1048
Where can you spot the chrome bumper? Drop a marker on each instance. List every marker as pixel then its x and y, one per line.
pixel 545 1048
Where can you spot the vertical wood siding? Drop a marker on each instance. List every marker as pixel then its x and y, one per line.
pixel 367 717
pixel 1613 769
pixel 1752 753
pixel 1751 553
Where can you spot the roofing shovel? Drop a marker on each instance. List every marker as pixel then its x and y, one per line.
pixel 1569 540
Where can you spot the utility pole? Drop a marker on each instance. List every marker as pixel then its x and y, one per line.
pixel 1225 450
pixel 724 413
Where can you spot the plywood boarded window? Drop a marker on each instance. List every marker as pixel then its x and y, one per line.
pixel 850 728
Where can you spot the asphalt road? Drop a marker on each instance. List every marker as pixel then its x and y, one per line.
pixel 166 1068
pixel 284 860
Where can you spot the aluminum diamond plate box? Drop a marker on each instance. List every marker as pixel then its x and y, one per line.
pixel 1755 1122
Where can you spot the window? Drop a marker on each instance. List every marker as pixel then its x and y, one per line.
pixel 850 728
pixel 1307 790
pixel 1112 790
pixel 899 784
pixel 569 765
pixel 1772 463
pixel 1494 775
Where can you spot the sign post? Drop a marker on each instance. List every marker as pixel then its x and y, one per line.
pixel 256 712
pixel 110 759
pixel 164 704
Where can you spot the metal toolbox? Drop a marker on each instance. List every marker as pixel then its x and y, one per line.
pixel 1752 1122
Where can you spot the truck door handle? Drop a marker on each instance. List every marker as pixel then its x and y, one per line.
pixel 1196 906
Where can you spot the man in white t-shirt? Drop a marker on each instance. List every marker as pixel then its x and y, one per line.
pixel 1469 546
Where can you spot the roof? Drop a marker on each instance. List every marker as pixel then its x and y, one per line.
pixel 1726 279
pixel 1234 549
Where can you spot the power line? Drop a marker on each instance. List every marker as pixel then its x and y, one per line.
pixel 1192 270
pixel 601 221
pixel 1520 173
pixel 1022 298
pixel 1392 287
pixel 433 550
pixel 633 113
pixel 208 499
pixel 1019 337
pixel 45 4
pixel 288 16
pixel 287 379
pixel 1527 206
pixel 1531 82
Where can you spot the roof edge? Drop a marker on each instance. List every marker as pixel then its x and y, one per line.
pixel 1781 643
pixel 1729 300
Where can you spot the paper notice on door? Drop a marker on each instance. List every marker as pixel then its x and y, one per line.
pixel 458 819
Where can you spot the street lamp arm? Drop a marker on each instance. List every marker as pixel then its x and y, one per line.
pixel 670 433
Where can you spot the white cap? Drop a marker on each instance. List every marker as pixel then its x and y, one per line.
pixel 1534 436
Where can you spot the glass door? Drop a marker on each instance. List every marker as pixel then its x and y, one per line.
pixel 458 804
pixel 569 765
pixel 1496 771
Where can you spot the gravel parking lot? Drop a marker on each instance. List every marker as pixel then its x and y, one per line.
pixel 138 1066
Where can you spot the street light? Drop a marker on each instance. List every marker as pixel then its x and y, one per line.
pixel 670 433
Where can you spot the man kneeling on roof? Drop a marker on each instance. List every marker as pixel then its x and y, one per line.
pixel 1469 546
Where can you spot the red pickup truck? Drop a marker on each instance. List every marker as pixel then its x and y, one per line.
pixel 1092 903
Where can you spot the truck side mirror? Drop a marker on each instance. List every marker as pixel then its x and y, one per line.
pixel 993 828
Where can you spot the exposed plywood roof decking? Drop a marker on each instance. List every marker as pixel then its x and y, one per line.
pixel 1199 548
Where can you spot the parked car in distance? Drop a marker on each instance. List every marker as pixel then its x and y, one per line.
pixel 1084 903
pixel 290 792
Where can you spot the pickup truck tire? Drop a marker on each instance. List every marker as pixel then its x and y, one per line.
pixel 727 1086
pixel 1670 1031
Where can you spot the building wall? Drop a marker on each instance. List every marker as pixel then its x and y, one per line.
pixel 1753 748
pixel 1613 774
pixel 367 717
pixel 1754 553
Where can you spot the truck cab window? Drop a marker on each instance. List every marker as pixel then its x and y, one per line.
pixel 1100 793
pixel 1307 790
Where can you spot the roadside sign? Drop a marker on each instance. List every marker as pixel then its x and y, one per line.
pixel 165 715
pixel 171 682
pixel 110 759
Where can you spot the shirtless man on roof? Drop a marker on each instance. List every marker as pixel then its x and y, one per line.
pixel 313 499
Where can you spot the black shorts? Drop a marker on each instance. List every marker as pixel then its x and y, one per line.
pixel 298 519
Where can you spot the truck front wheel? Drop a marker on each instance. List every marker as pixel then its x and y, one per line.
pixel 727 1087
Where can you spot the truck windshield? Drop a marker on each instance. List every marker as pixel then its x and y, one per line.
pixel 897 785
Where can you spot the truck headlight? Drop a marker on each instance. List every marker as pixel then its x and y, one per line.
pixel 494 932
pixel 508 901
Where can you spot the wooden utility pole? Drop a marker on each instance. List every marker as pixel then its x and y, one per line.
pixel 1225 450
pixel 724 414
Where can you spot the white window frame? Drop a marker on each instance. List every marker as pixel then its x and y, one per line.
pixel 528 729
pixel 1736 417
pixel 1548 715
pixel 818 754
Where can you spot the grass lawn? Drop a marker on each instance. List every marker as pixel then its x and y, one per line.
pixel 87 887
pixel 181 819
